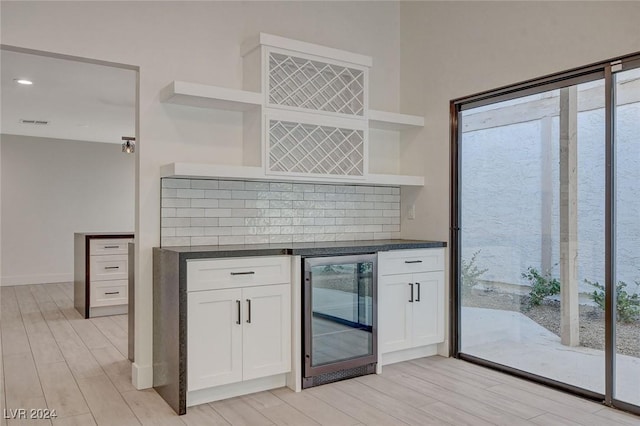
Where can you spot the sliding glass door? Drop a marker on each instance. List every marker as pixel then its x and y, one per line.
pixel 546 217
pixel 627 236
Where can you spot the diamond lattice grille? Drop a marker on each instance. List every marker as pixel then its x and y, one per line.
pixel 308 148
pixel 303 83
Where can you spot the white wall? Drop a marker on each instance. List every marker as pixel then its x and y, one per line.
pixel 454 49
pixel 199 42
pixel 52 188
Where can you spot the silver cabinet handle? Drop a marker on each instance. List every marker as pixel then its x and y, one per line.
pixel 111 267
pixel 411 285
pixel 413 261
pixel 418 298
pixel 112 292
pixel 111 247
pixel 243 273
pixel 238 305
pixel 249 311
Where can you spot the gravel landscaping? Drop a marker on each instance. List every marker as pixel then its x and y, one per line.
pixel 548 316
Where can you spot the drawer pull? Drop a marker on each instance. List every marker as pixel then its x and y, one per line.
pixel 243 273
pixel 112 292
pixel 418 298
pixel 108 247
pixel 111 267
pixel 411 285
pixel 413 261
pixel 238 320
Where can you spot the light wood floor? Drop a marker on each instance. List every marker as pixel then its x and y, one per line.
pixel 52 358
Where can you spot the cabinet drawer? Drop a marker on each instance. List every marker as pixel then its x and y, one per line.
pixel 113 267
pixel 108 293
pixel 111 246
pixel 237 272
pixel 410 261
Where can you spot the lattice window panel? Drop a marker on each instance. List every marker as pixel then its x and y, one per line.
pixel 303 83
pixel 312 149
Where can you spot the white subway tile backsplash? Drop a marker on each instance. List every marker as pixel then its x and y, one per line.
pixel 231 184
pixel 211 212
pixel 303 187
pixel 244 195
pixel 192 231
pixel 204 184
pixel 170 222
pixel 176 183
pixel 204 241
pixel 190 193
pixel 256 186
pixel 169 193
pixel 222 240
pixel 167 212
pixel 204 202
pixel 219 194
pixel 257 221
pixel 189 212
pixel 235 204
pixel 217 230
pixel 281 187
pixel 274 239
pixel 256 239
pixel 176 202
pixel 236 221
pixel 217 212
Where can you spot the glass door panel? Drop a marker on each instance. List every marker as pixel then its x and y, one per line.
pixel 532 205
pixel 341 322
pixel 627 238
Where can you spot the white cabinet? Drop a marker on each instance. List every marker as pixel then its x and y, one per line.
pixel 410 299
pixel 238 330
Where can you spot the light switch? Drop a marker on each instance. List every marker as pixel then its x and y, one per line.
pixel 411 214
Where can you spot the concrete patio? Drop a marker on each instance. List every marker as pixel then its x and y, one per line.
pixel 512 339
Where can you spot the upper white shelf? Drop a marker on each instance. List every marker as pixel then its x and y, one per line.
pixel 207 96
pixel 217 171
pixel 393 121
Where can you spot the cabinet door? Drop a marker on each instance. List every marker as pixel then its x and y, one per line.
pixel 214 338
pixel 394 312
pixel 428 308
pixel 266 330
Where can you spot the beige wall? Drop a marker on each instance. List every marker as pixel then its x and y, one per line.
pixel 454 49
pixel 198 42
pixel 52 188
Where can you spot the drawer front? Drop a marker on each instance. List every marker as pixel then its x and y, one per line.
pixel 108 293
pixel 110 246
pixel 113 267
pixel 237 272
pixel 410 261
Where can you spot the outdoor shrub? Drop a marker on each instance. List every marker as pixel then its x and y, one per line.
pixel 541 285
pixel 470 273
pixel 627 305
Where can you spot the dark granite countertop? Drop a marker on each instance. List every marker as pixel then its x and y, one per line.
pixel 103 234
pixel 301 249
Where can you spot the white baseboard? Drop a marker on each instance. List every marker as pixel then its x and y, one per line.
pixel 409 354
pixel 141 376
pixel 235 389
pixel 35 279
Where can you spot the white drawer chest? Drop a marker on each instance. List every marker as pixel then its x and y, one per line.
pixel 101 273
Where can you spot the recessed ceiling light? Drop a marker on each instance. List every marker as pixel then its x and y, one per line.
pixel 23 81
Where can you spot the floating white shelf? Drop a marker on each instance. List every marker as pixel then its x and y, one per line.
pixel 393 121
pixel 215 171
pixel 206 96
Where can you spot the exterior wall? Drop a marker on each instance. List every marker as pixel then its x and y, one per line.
pixel 52 188
pixel 197 42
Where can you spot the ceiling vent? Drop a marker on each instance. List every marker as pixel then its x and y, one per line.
pixel 34 122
